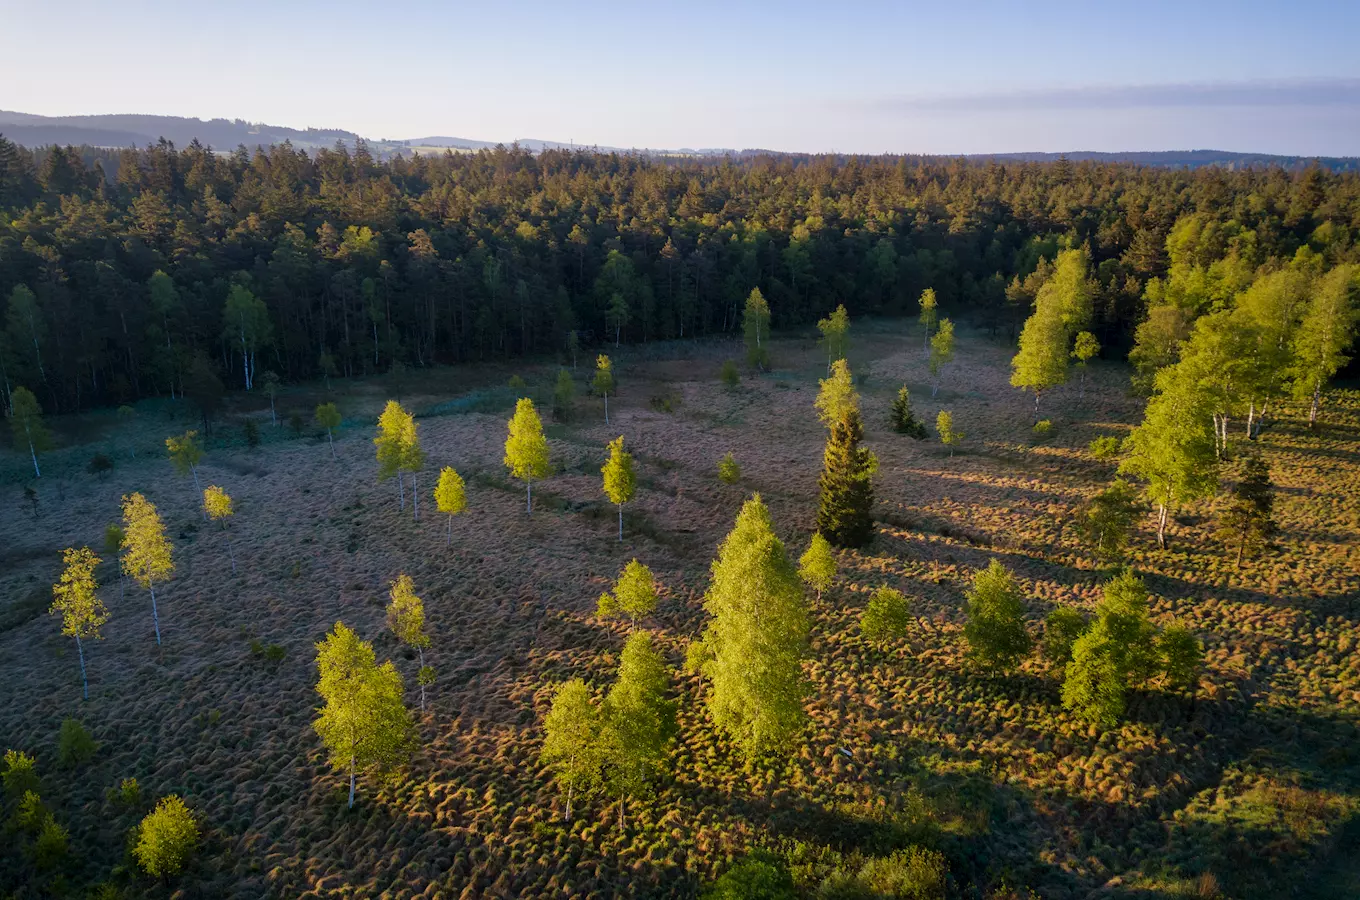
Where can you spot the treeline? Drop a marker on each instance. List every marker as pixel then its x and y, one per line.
pixel 126 274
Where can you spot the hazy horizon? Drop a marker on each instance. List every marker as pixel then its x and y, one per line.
pixel 875 78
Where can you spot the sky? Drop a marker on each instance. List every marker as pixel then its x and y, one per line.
pixel 907 77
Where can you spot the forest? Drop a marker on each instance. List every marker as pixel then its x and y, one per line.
pixel 575 524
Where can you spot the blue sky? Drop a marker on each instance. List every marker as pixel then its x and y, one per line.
pixel 960 77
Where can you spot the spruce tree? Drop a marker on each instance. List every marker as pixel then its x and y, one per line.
pixel 752 649
pixel 620 481
pixel 603 382
pixel 146 551
pixel 1248 520
pixel 526 449
pixel 75 597
pixel 904 421
pixel 846 484
pixel 406 619
pixel 995 630
pixel 450 498
pixel 571 741
pixel 728 470
pixel 817 565
pixel 217 502
pixel 638 720
pixel 363 722
pixel 27 424
pixel 328 417
pixel 186 453
pixel 634 594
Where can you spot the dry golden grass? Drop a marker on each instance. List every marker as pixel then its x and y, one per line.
pixel 990 770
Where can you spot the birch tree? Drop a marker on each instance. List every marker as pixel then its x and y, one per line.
pixel 186 453
pixel 836 395
pixel 218 504
pixel 146 550
pixel 817 565
pixel 328 417
pixel 638 720
pixel 603 383
pixel 1324 336
pixel 571 745
pixel 620 481
pixel 412 459
pixel 634 594
pixel 526 449
pixel 450 498
pixel 1084 349
pixel 406 619
pixel 835 330
pixel 246 325
pixel 941 353
pixel 755 325
pixel 27 424
pixel 391 443
pixel 363 722
pixel 929 311
pixel 75 597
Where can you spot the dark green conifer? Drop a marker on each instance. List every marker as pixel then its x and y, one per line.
pixel 846 485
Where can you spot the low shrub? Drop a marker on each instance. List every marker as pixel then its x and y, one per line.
pixel 887 617
pixel 166 838
pixel 753 879
pixel 1105 447
pixel 728 470
pixel 100 465
pixel 75 745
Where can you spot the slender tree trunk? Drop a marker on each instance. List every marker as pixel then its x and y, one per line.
pixel 623 804
pixel 570 789
pixel 1161 526
pixel 1313 407
pixel 351 782
pixel 34 453
pixel 193 470
pixel 415 499
pixel 401 492
pixel 1081 391
pixel 84 682
pixel 1036 407
pixel 606 408
pixel 620 522
pixel 421 651
pixel 155 616
pixel 529 494
pixel 448 540
pixel 1251 420
pixel 1241 546
pixel 331 438
pixel 231 553
pixel 272 414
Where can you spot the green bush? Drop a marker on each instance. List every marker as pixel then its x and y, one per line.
pixel 166 838
pixel 667 402
pixel 887 617
pixel 753 879
pixel 911 874
pixel 1106 447
pixel 128 794
pixel 75 744
pixel 728 470
pixel 49 848
pixel 1043 428
pixel 100 465
pixel 730 377
pixel 1061 630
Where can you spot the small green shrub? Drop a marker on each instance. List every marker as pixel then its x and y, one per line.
pixel 729 375
pixel 166 838
pixel 753 879
pixel 100 465
pixel 1043 428
pixel 728 470
pixel 667 402
pixel 517 383
pixel 297 423
pixel 914 873
pixel 1061 630
pixel 20 774
pixel 1105 447
pixel 887 617
pixel 128 794
pixel 274 653
pixel 75 745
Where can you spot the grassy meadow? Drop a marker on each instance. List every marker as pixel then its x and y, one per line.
pixel 1248 789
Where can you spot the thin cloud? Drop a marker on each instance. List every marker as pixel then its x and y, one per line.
pixel 1331 93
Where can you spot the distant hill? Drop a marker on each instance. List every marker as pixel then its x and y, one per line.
pixel 227 134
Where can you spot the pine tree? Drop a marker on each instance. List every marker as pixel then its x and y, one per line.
pixel 835 330
pixel 146 551
pixel 571 742
pixel 995 630
pixel 328 417
pixel 391 444
pixel 620 481
pixel 450 498
pixel 27 424
pixel 526 450
pixel 929 309
pixel 1107 518
pixel 887 616
pixel 75 597
pixel 941 352
pixel 904 421
pixel 406 619
pixel 186 453
pixel 944 426
pixel 603 383
pixel 837 397
pixel 166 838
pixel 634 594
pixel 846 485
pixel 817 565
pixel 363 723
pixel 755 325
pixel 1248 520
pixel 1084 349
pixel 638 720
pixel 218 505
pixel 751 652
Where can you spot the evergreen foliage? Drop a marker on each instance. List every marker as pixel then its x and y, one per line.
pixel 844 514
pixel 995 630
pixel 564 396
pixel 752 649
pixel 75 744
pixel 729 375
pixel 904 421
pixel 363 722
pixel 1248 520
